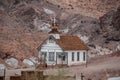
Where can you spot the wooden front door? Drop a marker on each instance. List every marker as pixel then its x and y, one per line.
pixel 61 58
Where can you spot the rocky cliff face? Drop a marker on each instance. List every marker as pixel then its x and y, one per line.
pixel 109 24
pixel 116 19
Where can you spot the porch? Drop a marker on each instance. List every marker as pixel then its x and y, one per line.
pixel 55 58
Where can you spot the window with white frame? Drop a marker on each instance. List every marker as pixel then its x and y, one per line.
pixel 44 54
pixel 51 56
pixel 51 40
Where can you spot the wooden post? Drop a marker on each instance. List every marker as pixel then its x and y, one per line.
pixel 86 64
pixel 82 76
pixel 87 59
pixel 4 73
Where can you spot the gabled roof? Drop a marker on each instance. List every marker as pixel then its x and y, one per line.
pixel 69 43
pixel 52 37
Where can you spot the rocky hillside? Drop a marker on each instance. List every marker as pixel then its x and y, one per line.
pixel 93 8
pixel 24 24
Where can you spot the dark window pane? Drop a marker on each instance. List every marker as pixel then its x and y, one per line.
pixel 51 56
pixel 84 56
pixel 78 56
pixel 72 56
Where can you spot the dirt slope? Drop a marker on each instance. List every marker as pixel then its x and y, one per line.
pixel 18 42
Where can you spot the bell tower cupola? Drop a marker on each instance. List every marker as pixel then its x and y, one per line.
pixel 54 31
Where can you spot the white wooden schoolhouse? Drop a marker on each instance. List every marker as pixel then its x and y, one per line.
pixel 63 49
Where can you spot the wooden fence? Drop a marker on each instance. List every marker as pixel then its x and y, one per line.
pixel 29 75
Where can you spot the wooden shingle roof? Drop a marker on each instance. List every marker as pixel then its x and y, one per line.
pixel 68 43
pixel 71 43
